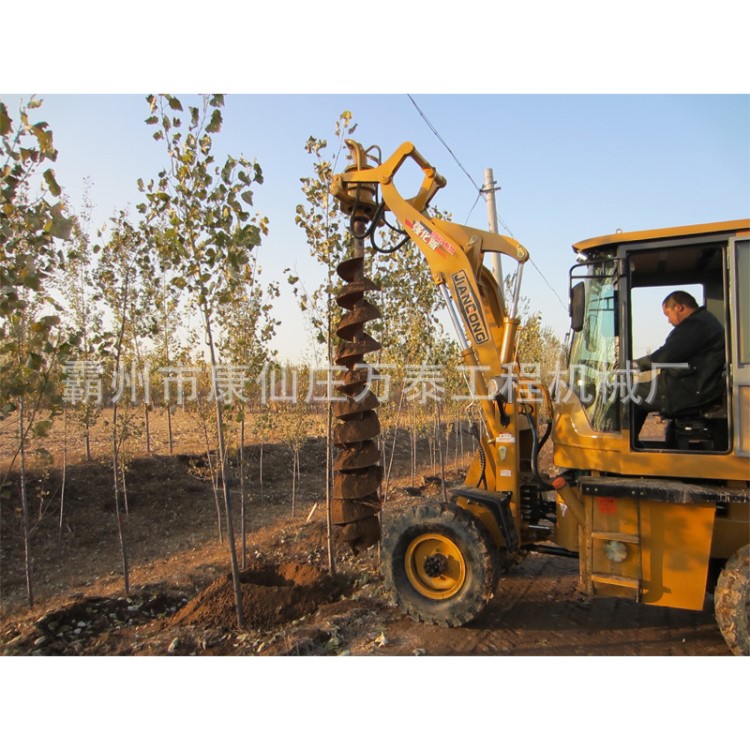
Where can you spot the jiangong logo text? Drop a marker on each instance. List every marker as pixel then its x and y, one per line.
pixel 470 308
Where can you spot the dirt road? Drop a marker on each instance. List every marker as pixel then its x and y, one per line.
pixel 178 605
pixel 539 609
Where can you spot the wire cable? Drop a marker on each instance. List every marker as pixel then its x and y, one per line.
pixel 471 211
pixel 552 289
pixel 440 138
pixel 536 267
pixel 481 191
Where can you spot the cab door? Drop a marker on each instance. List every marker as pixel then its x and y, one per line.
pixel 739 265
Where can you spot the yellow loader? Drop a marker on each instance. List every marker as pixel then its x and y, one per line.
pixel 660 519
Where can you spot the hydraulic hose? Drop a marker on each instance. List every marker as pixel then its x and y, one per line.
pixel 535 449
pixel 482 457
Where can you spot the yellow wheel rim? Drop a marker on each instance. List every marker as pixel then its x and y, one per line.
pixel 435 566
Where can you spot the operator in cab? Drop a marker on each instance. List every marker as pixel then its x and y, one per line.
pixel 694 359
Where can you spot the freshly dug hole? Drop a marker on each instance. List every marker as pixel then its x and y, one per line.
pixel 271 595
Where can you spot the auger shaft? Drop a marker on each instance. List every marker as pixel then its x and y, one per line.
pixel 357 471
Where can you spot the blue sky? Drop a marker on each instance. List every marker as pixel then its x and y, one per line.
pixel 570 166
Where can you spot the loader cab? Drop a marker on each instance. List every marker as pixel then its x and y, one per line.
pixel 616 294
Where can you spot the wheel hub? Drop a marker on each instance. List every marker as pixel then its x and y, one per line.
pixel 435 565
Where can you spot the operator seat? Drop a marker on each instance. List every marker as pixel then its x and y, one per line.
pixel 700 428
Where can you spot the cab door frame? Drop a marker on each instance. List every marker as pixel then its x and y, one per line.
pixel 738 262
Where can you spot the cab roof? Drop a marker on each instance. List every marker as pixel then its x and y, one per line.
pixel 694 230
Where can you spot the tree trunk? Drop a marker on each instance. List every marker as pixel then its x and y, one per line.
pixel 414 450
pixel 393 446
pixel 457 431
pixel 169 430
pixel 64 474
pixel 116 445
pixel 329 484
pixel 260 473
pixel 118 512
pixel 224 483
pixel 25 506
pixel 165 326
pixel 146 409
pixel 294 477
pixel 243 514
pixel 438 437
pixel 214 482
pixel 124 488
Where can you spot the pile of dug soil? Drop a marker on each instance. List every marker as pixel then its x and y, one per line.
pixel 271 595
pixel 85 625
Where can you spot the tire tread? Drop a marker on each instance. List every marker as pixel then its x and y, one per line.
pixel 476 546
pixel 731 602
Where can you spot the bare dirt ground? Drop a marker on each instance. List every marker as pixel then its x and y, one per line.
pixel 181 600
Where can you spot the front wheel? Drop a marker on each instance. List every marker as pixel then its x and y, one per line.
pixel 438 564
pixel 732 602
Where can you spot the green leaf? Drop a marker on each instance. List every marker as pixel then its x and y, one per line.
pixel 174 103
pixel 60 226
pixel 34 361
pixel 215 125
pixel 49 178
pixel 5 121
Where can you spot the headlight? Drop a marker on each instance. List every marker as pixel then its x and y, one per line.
pixel 615 551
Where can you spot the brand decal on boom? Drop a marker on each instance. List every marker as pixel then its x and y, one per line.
pixel 435 242
pixel 470 308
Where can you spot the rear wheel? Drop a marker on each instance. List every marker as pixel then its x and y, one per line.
pixel 732 602
pixel 439 565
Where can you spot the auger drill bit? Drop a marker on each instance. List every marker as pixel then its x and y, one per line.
pixel 357 471
pixel 356 504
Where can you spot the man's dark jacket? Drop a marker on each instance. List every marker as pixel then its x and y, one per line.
pixel 698 341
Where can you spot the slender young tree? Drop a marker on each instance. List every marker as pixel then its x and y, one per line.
pixel 248 326
pixel 168 350
pixel 31 339
pixel 83 315
pixel 325 228
pixel 199 211
pixel 117 277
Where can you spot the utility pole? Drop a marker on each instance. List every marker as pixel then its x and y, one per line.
pixel 489 190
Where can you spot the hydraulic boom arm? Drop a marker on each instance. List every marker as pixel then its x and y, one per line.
pixel 487 328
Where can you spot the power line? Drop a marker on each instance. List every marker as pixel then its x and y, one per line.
pixel 480 191
pixel 536 267
pixel 471 210
pixel 554 291
pixel 440 138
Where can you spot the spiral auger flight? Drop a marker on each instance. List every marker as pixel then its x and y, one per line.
pixel 357 472
pixel 356 503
